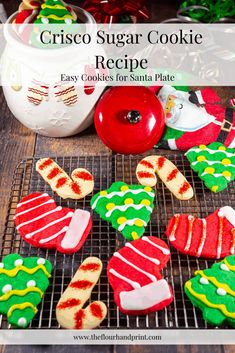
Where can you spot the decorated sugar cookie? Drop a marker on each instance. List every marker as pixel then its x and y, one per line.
pixel 69 310
pixel 134 273
pixel 55 11
pixel 43 224
pixel 210 237
pixel 213 290
pixel 23 282
pixel 214 163
pixel 167 172
pixel 78 186
pixel 126 207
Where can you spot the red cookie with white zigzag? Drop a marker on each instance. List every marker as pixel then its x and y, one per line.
pixel 43 224
pixel 210 237
pixel 134 273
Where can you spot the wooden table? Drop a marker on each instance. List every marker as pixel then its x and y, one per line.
pixel 17 142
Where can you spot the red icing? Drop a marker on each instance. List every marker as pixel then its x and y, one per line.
pixel 83 175
pixel 76 188
pixel 90 267
pixel 81 284
pixel 46 164
pixel 146 164
pixel 184 187
pixel 172 175
pixel 61 182
pixel 161 162
pixel 69 303
pixel 34 4
pixel 55 171
pixel 96 310
pixel 78 318
pixel 145 175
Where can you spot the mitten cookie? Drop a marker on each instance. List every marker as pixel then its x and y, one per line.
pixel 215 165
pixel 167 172
pixel 210 237
pixel 127 207
pixel 37 92
pixel 43 224
pixel 23 282
pixel 213 291
pixel 134 273
pixel 78 186
pixel 69 310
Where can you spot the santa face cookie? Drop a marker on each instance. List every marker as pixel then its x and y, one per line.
pixel 78 186
pixel 210 237
pixel 69 310
pixel 23 282
pixel 43 224
pixel 213 291
pixel 126 207
pixel 134 272
pixel 167 172
pixel 214 163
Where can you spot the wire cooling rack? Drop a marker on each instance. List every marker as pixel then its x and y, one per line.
pixel 104 240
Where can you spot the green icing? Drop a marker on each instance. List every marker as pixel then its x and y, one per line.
pixel 18 279
pixel 216 169
pixel 139 207
pixel 54 11
pixel 218 277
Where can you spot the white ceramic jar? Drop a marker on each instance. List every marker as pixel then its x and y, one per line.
pixel 51 115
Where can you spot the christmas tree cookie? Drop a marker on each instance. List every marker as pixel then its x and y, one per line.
pixel 23 282
pixel 126 207
pixel 214 163
pixel 55 11
pixel 213 291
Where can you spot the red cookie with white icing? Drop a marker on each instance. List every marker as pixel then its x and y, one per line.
pixel 134 272
pixel 43 224
pixel 210 237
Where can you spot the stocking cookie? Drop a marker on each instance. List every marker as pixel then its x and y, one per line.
pixel 215 165
pixel 43 224
pixel 69 310
pixel 167 172
pixel 210 237
pixel 127 207
pixel 78 186
pixel 134 272
pixel 23 282
pixel 213 290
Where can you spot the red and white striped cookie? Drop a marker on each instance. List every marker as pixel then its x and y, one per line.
pixel 37 92
pixel 66 93
pixel 167 172
pixel 78 186
pixel 69 310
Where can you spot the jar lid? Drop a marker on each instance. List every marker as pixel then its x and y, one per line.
pixel 129 119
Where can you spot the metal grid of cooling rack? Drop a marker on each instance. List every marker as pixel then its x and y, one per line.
pixel 104 240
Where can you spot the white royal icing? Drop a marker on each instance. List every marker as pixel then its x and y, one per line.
pixel 211 163
pixel 147 274
pixel 34 208
pixel 203 238
pixel 130 222
pixel 1 265
pixel 77 227
pixel 121 194
pixel 22 322
pixel 217 175
pixel 221 291
pixel 125 207
pixel 30 200
pixel 155 261
pixel 127 280
pixel 31 283
pixel 41 261
pixel 7 288
pixel 68 215
pixel 229 213
pixel 204 280
pixel 59 208
pixel 224 267
pixel 18 262
pixel 163 250
pixel 145 297
pixel 46 240
pixel 195 149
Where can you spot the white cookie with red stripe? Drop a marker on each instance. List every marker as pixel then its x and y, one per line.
pixel 37 92
pixel 167 172
pixel 69 310
pixel 43 224
pixel 78 186
pixel 66 93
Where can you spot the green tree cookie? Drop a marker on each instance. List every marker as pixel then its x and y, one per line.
pixel 54 11
pixel 214 163
pixel 23 282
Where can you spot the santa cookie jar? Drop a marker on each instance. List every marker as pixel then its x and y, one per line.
pixel 36 97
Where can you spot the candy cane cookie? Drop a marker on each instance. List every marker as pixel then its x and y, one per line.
pixel 78 186
pixel 167 172
pixel 69 310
